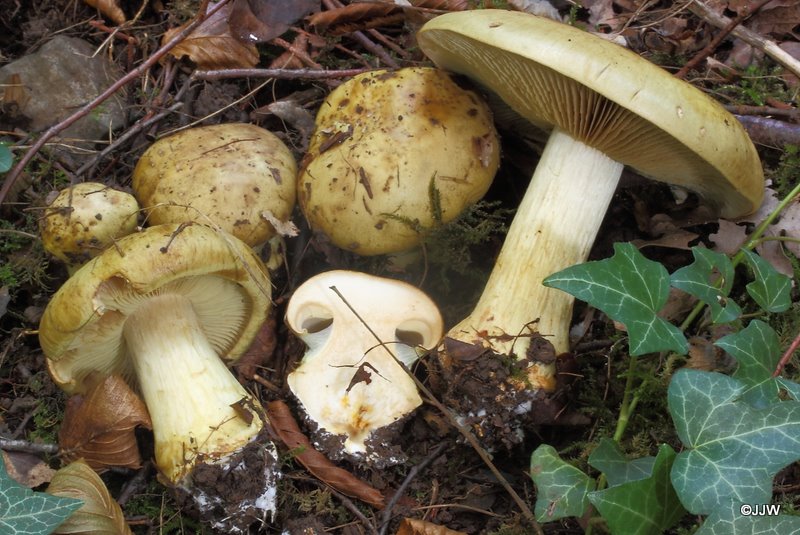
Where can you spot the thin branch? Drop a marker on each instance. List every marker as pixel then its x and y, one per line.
pixel 278 74
pixel 750 37
pixel 715 42
pixel 12 176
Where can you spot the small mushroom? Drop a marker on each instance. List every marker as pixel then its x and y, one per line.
pixel 238 176
pixel 84 219
pixel 163 309
pixel 349 384
pixel 605 107
pixel 383 141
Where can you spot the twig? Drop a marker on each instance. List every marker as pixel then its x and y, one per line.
pixel 12 176
pixel 132 131
pixel 466 433
pixel 27 446
pixel 416 469
pixel 711 46
pixel 278 74
pixel 787 356
pixel 748 36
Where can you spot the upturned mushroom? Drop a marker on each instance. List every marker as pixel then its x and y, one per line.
pixel 605 108
pixel 349 383
pixel 167 308
pixel 237 176
pixel 84 219
pixel 383 141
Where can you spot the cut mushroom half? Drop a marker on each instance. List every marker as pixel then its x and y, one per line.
pixel 605 108
pixel 363 333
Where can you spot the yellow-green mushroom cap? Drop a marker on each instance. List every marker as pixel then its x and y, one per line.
pixel 84 219
pixel 557 76
pixel 81 331
pixel 384 143
pixel 229 175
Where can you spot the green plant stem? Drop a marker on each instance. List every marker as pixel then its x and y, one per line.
pixel 752 240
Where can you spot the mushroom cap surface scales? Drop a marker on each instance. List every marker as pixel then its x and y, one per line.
pixel 383 141
pixel 224 174
pixel 606 96
pixel 84 219
pixel 81 331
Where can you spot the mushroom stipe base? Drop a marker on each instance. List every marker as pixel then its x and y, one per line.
pixel 489 392
pixel 237 493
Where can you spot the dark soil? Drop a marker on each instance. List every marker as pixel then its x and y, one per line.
pixel 454 488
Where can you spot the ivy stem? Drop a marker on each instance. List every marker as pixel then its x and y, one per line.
pixel 752 240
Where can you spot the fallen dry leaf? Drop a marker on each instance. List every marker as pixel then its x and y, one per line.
pixel 257 21
pixel 321 467
pixel 27 469
pixel 99 427
pixel 110 9
pixel 412 526
pixel 212 46
pixel 100 513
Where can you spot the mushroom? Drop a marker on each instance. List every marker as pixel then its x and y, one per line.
pixel 238 176
pixel 605 107
pixel 84 219
pixel 163 309
pixel 349 383
pixel 384 142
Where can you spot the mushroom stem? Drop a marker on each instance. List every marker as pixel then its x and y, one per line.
pixel 555 227
pixel 185 386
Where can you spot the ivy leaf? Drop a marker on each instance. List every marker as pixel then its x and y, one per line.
pixel 733 449
pixel 791 387
pixel 757 349
pixel 630 289
pixel 770 289
pixel 646 506
pixel 6 158
pixel 729 520
pixel 561 488
pixel 25 512
pixel 698 279
pixel 609 459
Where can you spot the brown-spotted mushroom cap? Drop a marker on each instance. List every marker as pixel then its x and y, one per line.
pixel 228 175
pixel 84 219
pixel 349 384
pixel 163 309
pixel 605 107
pixel 384 140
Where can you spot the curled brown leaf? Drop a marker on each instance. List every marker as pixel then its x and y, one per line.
pixel 412 526
pixel 213 46
pixel 100 513
pixel 321 467
pixel 110 9
pixel 99 427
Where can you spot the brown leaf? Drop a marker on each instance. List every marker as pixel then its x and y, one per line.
pixel 257 21
pixel 412 526
pixel 100 426
pixel 358 16
pixel 110 9
pixel 27 469
pixel 100 513
pixel 284 425
pixel 259 351
pixel 212 46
